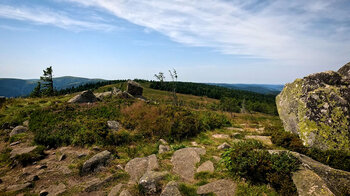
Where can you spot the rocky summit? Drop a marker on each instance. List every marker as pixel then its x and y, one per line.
pixel 317 109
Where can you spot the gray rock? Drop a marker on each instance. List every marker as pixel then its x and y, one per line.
pixel 150 182
pixel 26 123
pixel 171 189
pixel 219 187
pixel 115 190
pixel 137 167
pixel 207 166
pixel 185 160
pixel 43 193
pixel 162 141
pixel 115 90
pixel 224 146
pixel 114 125
pixel 98 183
pixel 15 143
pixel 264 139
pixel 124 95
pixel 81 155
pixel 220 136
pixel 84 97
pixel 21 151
pixel 125 193
pixel 19 187
pixel 95 162
pixel 317 109
pixel 163 149
pixel 134 88
pixel 62 157
pixel 103 95
pixel 18 130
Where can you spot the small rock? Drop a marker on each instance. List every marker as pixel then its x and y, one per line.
pixel 95 162
pixel 171 189
pixel 84 97
pixel 97 183
pixel 194 144
pixel 114 125
pixel 96 148
pixel 150 182
pixel 32 178
pixel 216 158
pixel 137 167
pixel 224 146
pixel 19 187
pixel 235 129
pixel 56 189
pixel 162 141
pixel 264 139
pixel 81 155
pixel 219 187
pixel 43 193
pixel 220 136
pixel 134 88
pixel 62 157
pixel 26 123
pixel 18 130
pixel 15 143
pixel 163 148
pixel 124 95
pixel 20 151
pixel 120 167
pixel 53 153
pixel 207 166
pixel 41 167
pixel 115 190
pixel 125 193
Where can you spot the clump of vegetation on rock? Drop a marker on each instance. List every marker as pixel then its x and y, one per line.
pixel 246 160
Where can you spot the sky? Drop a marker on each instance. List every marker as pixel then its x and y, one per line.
pixel 226 41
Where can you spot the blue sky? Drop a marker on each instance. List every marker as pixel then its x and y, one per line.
pixel 238 41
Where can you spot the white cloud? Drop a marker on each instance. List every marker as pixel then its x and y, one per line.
pixel 44 16
pixel 291 32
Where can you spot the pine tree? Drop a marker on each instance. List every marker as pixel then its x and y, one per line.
pixel 37 90
pixel 47 82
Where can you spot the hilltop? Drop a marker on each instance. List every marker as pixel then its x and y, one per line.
pixel 139 142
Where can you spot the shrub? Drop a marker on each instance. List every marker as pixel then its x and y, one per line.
pixel 258 166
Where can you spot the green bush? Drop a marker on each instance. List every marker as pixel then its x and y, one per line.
pixel 258 166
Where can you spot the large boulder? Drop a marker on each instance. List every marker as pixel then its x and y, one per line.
pixel 171 189
pixel 18 130
pixel 137 167
pixel 22 151
pixel 134 88
pixel 317 109
pixel 95 162
pixel 220 188
pixel 150 182
pixel 84 97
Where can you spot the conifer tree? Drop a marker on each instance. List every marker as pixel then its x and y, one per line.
pixel 37 90
pixel 48 81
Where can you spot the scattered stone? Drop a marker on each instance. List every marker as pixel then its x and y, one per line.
pixel 316 108
pixel 19 187
pixel 124 95
pixel 120 167
pixel 95 162
pixel 56 189
pixel 162 141
pixel 96 148
pixel 97 183
pixel 137 167
pixel 21 151
pixel 32 178
pixel 18 130
pixel 125 193
pixel 171 189
pixel 15 143
pixel 220 188
pixel 43 193
pixel 216 158
pixel 26 123
pixel 185 160
pixel 41 167
pixel 115 190
pixel 115 90
pixel 224 146
pixel 220 136
pixel 65 170
pixel 103 95
pixel 81 155
pixel 150 182
pixel 264 139
pixel 62 157
pixel 163 149
pixel 134 88
pixel 207 166
pixel 114 125
pixel 235 129
pixel 84 97
pixel 194 144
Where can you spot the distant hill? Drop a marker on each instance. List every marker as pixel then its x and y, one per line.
pixel 269 89
pixel 11 87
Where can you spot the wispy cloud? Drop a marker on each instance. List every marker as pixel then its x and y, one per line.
pixel 296 32
pixel 45 16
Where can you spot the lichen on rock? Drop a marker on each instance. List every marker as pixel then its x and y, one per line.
pixel 317 109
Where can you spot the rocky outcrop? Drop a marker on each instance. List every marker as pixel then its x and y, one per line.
pixel 21 151
pixel 317 109
pixel 137 167
pixel 95 162
pixel 150 182
pixel 134 88
pixel 124 95
pixel 18 130
pixel 219 187
pixel 185 160
pixel 84 97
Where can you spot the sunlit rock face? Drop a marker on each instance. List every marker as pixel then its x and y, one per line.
pixel 317 109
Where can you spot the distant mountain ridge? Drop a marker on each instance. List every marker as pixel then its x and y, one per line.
pixel 271 89
pixel 12 87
